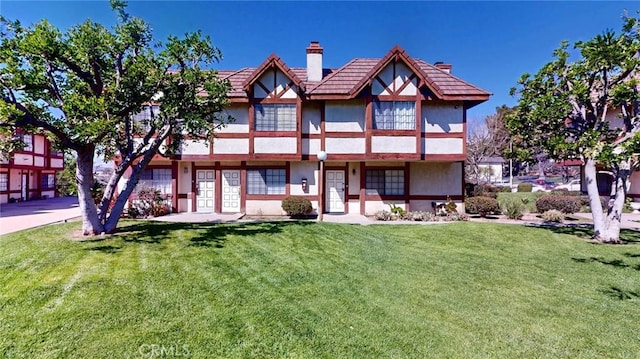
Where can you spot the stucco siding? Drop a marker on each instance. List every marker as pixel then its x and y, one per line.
pixel 310 146
pixel 354 180
pixel 240 124
pixel 437 146
pixel 344 145
pixel 371 207
pixel 344 116
pixel 436 179
pixel 230 145
pixel 393 144
pixel 439 118
pixel 57 163
pixel 311 118
pixel 38 161
pixel 275 145
pixel 38 145
pixel 22 159
pixel 264 207
pixel 194 147
pixel 300 170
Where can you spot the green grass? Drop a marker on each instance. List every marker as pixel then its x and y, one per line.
pixel 307 290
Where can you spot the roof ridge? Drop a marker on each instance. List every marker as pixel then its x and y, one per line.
pixel 452 75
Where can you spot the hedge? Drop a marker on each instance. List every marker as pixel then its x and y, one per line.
pixel 564 204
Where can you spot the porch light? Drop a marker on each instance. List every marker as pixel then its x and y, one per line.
pixel 322 156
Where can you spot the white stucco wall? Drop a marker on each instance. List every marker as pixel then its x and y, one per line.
pixel 441 118
pixel 439 178
pixel 393 144
pixel 38 161
pixel 344 145
pixel 4 198
pixel 442 145
pixel 344 116
pixel 354 180
pixel 281 81
pixel 240 114
pixel 184 177
pixel 22 159
pixel 194 147
pixel 310 146
pixel 635 184
pixel 311 118
pixel 48 194
pixel 264 207
pixel 371 207
pixel 300 170
pixel 57 163
pixel 275 145
pixel 230 145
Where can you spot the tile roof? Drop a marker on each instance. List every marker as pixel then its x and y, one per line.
pixel 344 80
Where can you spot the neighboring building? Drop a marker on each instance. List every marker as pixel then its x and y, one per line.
pixel 490 169
pixel 30 173
pixel 394 129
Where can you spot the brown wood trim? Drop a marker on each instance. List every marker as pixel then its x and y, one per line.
pixel 183 196
pixel 353 197
pixel 287 178
pixel 193 186
pixel 217 184
pixel 299 126
pixel 232 135
pixel 368 121
pixel 258 134
pixel 362 196
pixel 443 157
pixel 269 100
pixel 334 135
pixel 174 185
pixel 407 185
pixel 442 135
pixel 408 133
pixel 243 186
pixel 264 197
pixel 395 97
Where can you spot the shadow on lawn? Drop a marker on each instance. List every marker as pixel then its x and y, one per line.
pixel 585 231
pixel 620 294
pixel 198 234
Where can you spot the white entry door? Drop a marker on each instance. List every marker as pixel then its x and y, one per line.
pixel 334 195
pixel 25 185
pixel 231 191
pixel 205 180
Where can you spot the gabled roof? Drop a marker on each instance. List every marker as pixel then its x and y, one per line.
pixel 272 61
pixel 396 53
pixel 349 80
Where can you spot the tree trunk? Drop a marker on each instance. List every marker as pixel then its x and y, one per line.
pixel 91 225
pixel 606 229
pixel 110 189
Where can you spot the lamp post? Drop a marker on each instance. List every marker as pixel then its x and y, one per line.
pixel 322 156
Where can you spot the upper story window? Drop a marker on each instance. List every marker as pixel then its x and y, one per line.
pixel 275 117
pixel 394 115
pixel 4 181
pixel 28 143
pixel 146 115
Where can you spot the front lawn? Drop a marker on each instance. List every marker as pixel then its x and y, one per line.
pixel 308 290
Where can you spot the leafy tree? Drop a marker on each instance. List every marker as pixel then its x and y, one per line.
pixel 587 108
pixel 489 140
pixel 66 179
pixel 83 86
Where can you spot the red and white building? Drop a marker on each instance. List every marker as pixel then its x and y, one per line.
pixel 394 129
pixel 30 173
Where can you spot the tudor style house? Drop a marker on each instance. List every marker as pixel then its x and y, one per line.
pixel 393 129
pixel 30 173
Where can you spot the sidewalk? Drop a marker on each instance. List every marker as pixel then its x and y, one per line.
pixel 18 216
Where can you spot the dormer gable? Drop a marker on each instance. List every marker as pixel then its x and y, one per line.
pixel 273 79
pixel 396 74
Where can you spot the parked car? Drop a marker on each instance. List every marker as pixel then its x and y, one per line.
pixel 573 185
pixel 535 187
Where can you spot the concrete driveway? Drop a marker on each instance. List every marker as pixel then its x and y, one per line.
pixel 18 216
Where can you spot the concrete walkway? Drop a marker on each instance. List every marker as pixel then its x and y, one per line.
pixel 18 216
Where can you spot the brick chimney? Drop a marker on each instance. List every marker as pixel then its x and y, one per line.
pixel 314 62
pixel 442 66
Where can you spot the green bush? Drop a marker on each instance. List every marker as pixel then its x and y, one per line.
pixel 296 206
pixel 398 211
pixel 149 203
pixel 481 205
pixel 564 204
pixel 553 215
pixel 505 189
pixel 525 187
pixel 513 209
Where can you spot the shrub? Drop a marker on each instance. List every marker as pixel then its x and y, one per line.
pixel 564 204
pixel 453 217
pixel 450 207
pixel 296 206
pixel 481 205
pixel 552 215
pixel 512 209
pixel 525 187
pixel 398 211
pixel 383 215
pixel 505 189
pixel 421 216
pixel 150 202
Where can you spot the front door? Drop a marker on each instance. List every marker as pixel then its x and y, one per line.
pixel 231 191
pixel 334 195
pixel 205 182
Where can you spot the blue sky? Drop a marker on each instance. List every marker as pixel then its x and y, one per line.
pixel 490 44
